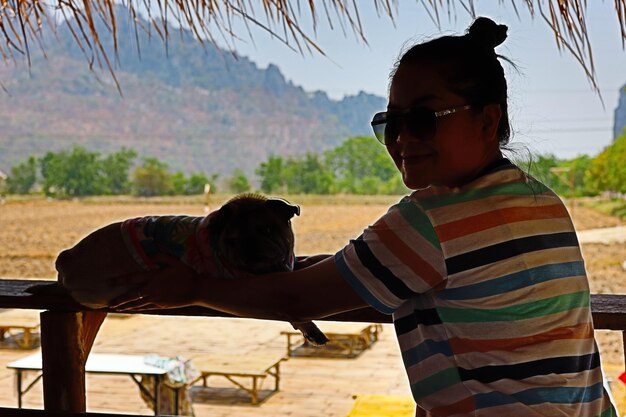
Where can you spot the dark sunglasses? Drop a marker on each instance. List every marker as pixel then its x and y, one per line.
pixel 421 122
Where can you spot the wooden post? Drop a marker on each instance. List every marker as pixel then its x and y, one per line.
pixel 66 339
pixel 624 345
pixel 207 191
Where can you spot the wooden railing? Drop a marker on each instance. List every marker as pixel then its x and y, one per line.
pixel 68 332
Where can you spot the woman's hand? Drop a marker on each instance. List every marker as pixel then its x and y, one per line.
pixel 305 261
pixel 172 286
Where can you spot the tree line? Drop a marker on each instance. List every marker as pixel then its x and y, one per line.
pixel 583 175
pixel 357 166
pixel 78 172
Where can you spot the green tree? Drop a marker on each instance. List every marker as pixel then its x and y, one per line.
pixel 597 176
pixel 567 177
pixel 271 174
pixel 548 169
pixel 239 183
pixel 181 185
pixel 23 176
pixel 362 166
pixel 578 168
pixel 607 171
pixel 83 171
pixel 151 178
pixel 71 173
pixel 308 175
pixel 115 169
pixel 395 186
pixel 178 183
pixel 195 183
pixel 51 167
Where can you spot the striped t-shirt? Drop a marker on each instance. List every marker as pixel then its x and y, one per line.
pixel 489 296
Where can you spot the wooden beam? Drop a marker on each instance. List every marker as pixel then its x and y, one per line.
pixel 609 310
pixel 28 412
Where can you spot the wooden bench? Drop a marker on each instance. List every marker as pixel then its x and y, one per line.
pixel 236 367
pixel 347 340
pixel 68 331
pixel 26 321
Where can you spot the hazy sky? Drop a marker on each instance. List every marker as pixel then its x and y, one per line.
pixel 553 108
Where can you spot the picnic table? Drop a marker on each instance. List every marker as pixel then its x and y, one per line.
pixel 17 319
pixel 344 340
pixel 237 367
pixel 97 363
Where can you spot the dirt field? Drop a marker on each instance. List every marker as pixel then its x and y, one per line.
pixel 32 233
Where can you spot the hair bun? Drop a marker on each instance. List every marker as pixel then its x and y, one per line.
pixel 487 32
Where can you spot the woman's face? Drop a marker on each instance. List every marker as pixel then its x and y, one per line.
pixel 463 144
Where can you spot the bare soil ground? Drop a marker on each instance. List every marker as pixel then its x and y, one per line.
pixel 32 233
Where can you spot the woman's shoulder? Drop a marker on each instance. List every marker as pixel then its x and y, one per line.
pixel 506 182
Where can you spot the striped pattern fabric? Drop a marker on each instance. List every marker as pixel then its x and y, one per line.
pixel 489 296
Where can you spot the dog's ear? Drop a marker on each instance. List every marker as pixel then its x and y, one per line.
pixel 221 217
pixel 284 209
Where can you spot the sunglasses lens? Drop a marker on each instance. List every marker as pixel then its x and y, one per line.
pixel 379 125
pixel 386 132
pixel 421 123
pixel 392 130
pixel 379 132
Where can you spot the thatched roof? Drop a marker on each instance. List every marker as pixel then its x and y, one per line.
pixel 21 20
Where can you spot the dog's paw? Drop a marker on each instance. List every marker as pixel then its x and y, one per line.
pixel 53 288
pixel 311 333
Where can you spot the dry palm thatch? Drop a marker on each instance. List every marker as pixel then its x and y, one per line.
pixel 21 21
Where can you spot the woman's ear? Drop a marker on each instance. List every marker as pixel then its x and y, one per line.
pixel 491 115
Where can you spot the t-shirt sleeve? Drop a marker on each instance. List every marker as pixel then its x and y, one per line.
pixel 394 259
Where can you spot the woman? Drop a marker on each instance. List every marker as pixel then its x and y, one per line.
pixel 480 266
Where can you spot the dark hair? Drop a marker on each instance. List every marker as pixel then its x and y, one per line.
pixel 470 65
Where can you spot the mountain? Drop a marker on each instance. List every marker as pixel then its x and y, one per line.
pixel 195 106
pixel 619 119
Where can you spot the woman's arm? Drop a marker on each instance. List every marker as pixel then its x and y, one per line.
pixel 305 294
pixel 309 293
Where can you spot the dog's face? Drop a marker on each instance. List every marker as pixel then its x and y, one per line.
pixel 254 234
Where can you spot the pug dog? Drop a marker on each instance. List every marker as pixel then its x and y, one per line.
pixel 250 233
